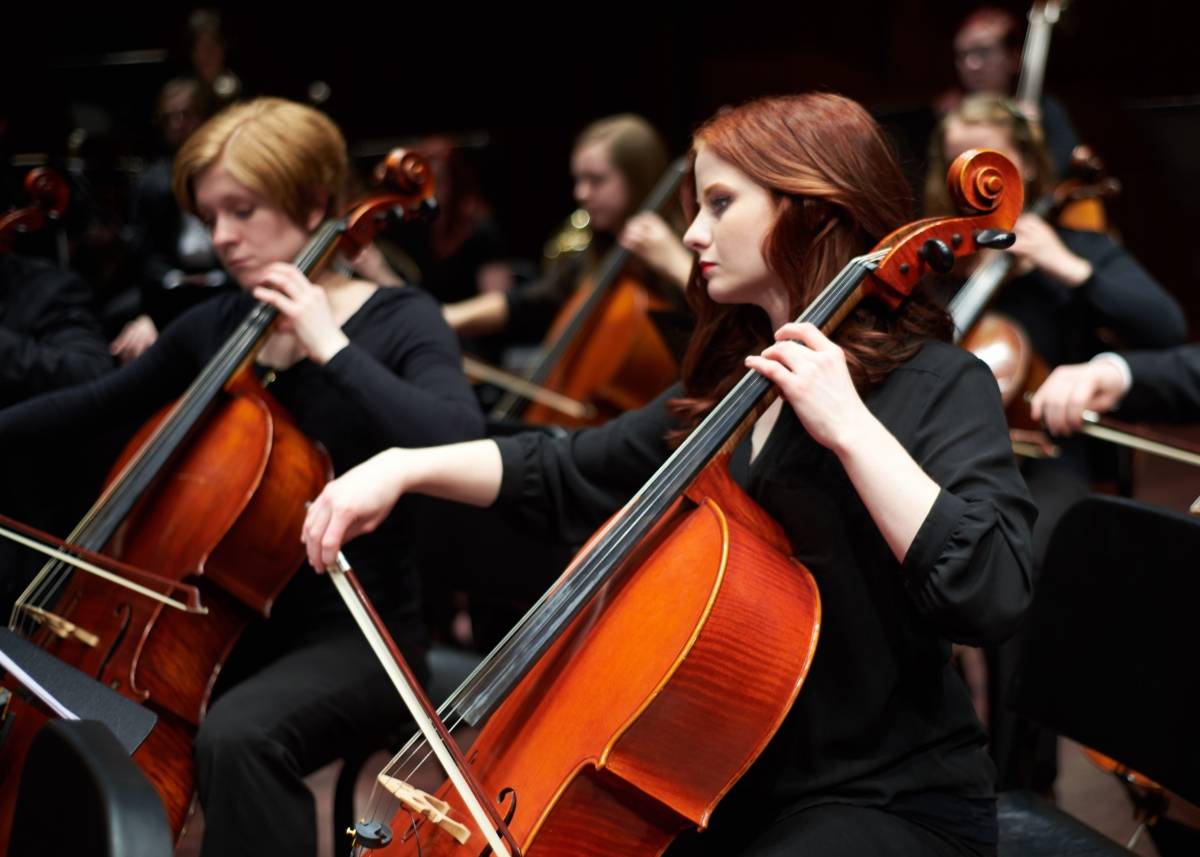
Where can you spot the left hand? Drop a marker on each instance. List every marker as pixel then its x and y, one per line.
pixel 304 310
pixel 1038 245
pixel 811 374
pixel 134 338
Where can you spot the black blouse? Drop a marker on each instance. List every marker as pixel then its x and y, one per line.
pixel 398 383
pixel 883 718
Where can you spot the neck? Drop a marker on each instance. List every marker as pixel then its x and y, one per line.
pixel 777 309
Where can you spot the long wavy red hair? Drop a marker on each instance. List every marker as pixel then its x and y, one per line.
pixel 839 190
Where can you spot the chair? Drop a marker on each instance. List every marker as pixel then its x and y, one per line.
pixel 82 794
pixel 1106 655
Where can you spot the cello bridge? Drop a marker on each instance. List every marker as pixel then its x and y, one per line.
pixel 423 803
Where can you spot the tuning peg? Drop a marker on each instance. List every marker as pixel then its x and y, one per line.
pixel 995 239
pixel 937 254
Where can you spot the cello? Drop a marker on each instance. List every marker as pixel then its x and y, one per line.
pixel 49 196
pixel 213 488
pixel 603 349
pixel 604 723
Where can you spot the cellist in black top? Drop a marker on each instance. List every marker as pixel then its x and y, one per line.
pixel 360 368
pixel 886 460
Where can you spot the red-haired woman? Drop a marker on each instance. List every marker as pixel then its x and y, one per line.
pixel 886 459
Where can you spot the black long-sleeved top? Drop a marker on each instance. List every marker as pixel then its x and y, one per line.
pixel 1120 295
pixel 398 383
pixel 883 719
pixel 49 335
pixel 1166 385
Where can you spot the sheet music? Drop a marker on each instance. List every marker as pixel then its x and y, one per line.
pixel 11 666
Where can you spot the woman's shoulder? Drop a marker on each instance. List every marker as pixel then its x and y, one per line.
pixel 940 378
pixel 400 316
pixel 406 298
pixel 936 360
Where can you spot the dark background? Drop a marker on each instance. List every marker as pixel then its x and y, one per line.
pixel 1126 72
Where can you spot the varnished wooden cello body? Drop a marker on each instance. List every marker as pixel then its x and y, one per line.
pixel 603 348
pixel 49 195
pixel 212 489
pixel 628 702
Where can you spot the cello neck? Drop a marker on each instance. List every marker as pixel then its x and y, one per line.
pixel 1042 18
pixel 609 271
pixel 723 427
pixel 102 520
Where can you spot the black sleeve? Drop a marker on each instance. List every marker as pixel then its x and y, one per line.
pixel 128 395
pixel 421 397
pixel 62 344
pixel 532 308
pixel 969 570
pixel 565 487
pixel 1166 385
pixel 1124 294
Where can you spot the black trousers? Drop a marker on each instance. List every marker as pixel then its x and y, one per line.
pixel 830 830
pixel 300 701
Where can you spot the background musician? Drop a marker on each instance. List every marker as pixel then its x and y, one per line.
pixel 614 164
pixel 987 59
pixel 1070 291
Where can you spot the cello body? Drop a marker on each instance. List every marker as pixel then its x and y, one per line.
pixel 225 515
pixel 607 742
pixel 615 362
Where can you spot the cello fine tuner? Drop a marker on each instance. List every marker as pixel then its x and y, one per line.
pixel 433 808
pixel 371 835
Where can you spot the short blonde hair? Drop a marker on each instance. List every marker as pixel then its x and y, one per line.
pixel 291 154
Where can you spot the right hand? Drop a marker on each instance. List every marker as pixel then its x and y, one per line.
pixel 1070 390
pixel 355 503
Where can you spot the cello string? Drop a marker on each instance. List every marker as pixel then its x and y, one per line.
pixel 92 531
pixel 97 524
pixel 582 584
pixel 114 502
pixel 745 393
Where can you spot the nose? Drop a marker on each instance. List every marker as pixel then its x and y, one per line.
pixel 223 233
pixel 698 235
pixel 582 192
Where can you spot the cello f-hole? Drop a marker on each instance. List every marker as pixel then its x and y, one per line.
pixel 508 816
pixel 124 612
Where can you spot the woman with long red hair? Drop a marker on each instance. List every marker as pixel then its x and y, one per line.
pixel 885 459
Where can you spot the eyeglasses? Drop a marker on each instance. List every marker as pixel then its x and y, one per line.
pixel 978 53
